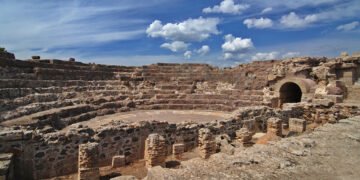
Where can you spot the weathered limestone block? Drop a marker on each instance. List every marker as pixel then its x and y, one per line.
pixel 155 150
pixel 207 143
pixel 118 161
pixel 243 135
pixel 88 161
pixel 297 125
pixel 274 127
pixel 323 102
pixel 6 166
pixel 178 148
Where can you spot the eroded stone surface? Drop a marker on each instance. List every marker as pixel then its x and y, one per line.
pixel 49 107
pixel 155 152
pixel 323 154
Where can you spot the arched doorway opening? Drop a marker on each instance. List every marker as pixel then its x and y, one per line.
pixel 290 93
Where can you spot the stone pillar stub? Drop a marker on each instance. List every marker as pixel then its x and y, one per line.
pixel 178 149
pixel 207 144
pixel 155 150
pixel 244 135
pixel 88 161
pixel 274 127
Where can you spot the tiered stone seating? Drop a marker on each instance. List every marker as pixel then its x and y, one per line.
pixel 52 86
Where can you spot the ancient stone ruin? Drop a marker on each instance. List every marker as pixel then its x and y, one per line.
pixel 69 119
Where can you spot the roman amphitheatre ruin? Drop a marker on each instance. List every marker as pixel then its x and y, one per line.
pixel 295 118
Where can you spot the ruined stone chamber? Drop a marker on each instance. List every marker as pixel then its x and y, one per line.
pixel 60 118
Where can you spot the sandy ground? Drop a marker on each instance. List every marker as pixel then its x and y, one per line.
pixel 171 116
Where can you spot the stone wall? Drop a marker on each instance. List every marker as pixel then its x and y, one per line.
pixel 45 155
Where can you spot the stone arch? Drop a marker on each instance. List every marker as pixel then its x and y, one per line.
pixel 296 87
pixel 290 93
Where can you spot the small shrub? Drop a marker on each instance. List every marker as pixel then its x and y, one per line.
pixel 2 49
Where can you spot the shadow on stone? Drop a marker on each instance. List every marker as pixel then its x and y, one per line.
pixel 172 164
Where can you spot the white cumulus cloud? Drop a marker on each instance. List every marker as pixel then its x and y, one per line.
pixel 175 46
pixel 234 46
pixel 290 54
pixel 203 50
pixel 190 30
pixel 260 23
pixel 349 26
pixel 188 54
pixel 227 7
pixel 265 56
pixel 292 20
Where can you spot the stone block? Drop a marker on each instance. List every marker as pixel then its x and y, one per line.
pixel 207 143
pixel 6 166
pixel 243 135
pixel 297 125
pixel 274 126
pixel 124 178
pixel 155 150
pixel 89 174
pixel 178 148
pixel 323 102
pixel 88 161
pixel 118 161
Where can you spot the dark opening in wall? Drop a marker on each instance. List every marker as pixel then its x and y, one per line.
pixel 290 93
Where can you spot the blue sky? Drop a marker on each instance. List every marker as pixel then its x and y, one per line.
pixel 218 32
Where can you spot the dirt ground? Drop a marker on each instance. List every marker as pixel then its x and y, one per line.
pixel 171 116
pixel 331 152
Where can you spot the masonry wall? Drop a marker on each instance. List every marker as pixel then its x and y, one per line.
pixel 55 154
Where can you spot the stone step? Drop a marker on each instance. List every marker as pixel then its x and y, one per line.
pixel 9 104
pixel 35 108
pixel 12 93
pixel 46 117
pixel 217 107
pixel 191 101
pixel 99 102
pixel 174 87
pixel 242 103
